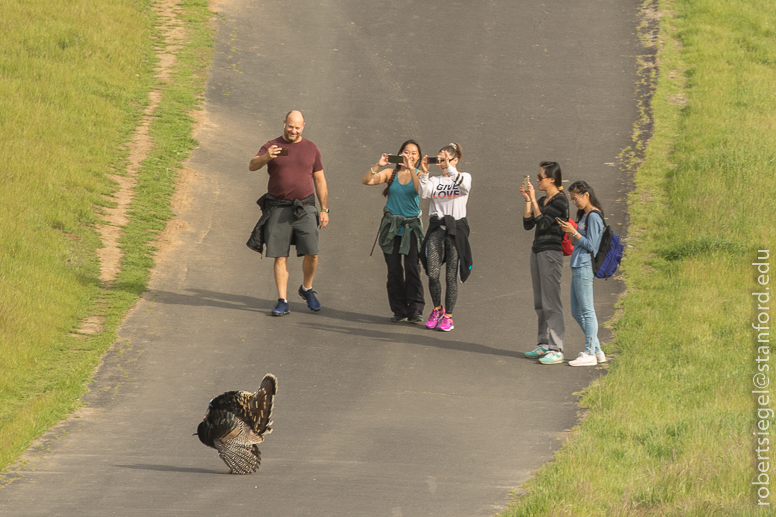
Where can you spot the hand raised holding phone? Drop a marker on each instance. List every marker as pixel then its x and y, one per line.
pixel 400 159
pixel 526 189
pixel 424 165
pixel 274 151
pixel 443 159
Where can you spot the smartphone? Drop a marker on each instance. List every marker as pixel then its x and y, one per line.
pixel 392 158
pixel 559 219
pixel 526 181
pixel 433 160
pixel 283 151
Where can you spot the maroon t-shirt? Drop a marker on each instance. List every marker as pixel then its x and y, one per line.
pixel 291 177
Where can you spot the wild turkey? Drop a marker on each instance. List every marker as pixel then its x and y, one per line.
pixel 236 421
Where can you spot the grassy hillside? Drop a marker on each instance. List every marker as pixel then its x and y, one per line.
pixel 73 84
pixel 670 430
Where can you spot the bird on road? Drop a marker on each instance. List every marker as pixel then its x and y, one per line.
pixel 236 421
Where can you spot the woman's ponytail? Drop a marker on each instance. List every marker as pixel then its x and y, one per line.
pixel 454 150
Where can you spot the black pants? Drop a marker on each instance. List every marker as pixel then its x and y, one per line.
pixel 405 287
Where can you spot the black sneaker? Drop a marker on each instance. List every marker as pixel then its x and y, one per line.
pixel 309 297
pixel 396 318
pixel 415 318
pixel 281 308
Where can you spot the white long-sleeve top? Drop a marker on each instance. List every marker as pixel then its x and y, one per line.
pixel 448 194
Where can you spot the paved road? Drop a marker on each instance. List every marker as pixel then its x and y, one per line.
pixel 372 418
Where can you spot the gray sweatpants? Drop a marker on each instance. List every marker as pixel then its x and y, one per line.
pixel 546 271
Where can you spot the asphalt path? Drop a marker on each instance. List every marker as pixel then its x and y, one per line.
pixel 371 418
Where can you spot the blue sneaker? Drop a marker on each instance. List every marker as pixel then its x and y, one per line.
pixel 309 297
pixel 281 308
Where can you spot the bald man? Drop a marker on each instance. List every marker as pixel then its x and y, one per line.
pixel 295 175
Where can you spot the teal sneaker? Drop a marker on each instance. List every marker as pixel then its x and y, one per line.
pixel 552 358
pixel 536 353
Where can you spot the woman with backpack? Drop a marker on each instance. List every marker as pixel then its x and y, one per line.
pixel 547 259
pixel 586 238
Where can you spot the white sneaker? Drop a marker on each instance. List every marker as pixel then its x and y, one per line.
pixel 584 359
pixel 600 357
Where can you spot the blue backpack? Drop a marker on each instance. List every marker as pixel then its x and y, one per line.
pixel 609 255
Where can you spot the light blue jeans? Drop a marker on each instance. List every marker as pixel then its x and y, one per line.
pixel 582 308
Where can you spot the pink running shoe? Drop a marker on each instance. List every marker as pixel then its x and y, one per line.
pixel 446 324
pixel 433 320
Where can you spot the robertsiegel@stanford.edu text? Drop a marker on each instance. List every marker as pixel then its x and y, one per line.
pixel 761 379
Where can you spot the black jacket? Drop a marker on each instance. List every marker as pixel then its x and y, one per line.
pixel 458 229
pixel 268 203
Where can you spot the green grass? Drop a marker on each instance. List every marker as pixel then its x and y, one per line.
pixel 73 84
pixel 669 429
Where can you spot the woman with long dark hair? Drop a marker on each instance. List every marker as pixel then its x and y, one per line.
pixel 586 238
pixel 401 231
pixel 546 259
pixel 447 237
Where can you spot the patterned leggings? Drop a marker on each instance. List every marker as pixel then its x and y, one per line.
pixel 439 248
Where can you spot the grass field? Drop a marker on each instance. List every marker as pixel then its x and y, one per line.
pixel 670 430
pixel 73 84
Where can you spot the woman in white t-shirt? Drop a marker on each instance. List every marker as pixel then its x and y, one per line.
pixel 448 233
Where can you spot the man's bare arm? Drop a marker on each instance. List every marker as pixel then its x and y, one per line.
pixel 323 195
pixel 257 162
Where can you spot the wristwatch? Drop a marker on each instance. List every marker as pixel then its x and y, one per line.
pixel 325 210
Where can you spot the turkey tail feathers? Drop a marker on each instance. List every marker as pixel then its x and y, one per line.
pixel 269 384
pixel 261 405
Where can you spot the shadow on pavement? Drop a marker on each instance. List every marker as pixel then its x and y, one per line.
pixel 202 298
pixel 205 298
pixel 423 338
pixel 168 468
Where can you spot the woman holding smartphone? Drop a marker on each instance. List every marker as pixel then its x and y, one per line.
pixel 586 238
pixel 401 231
pixel 547 259
pixel 447 238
